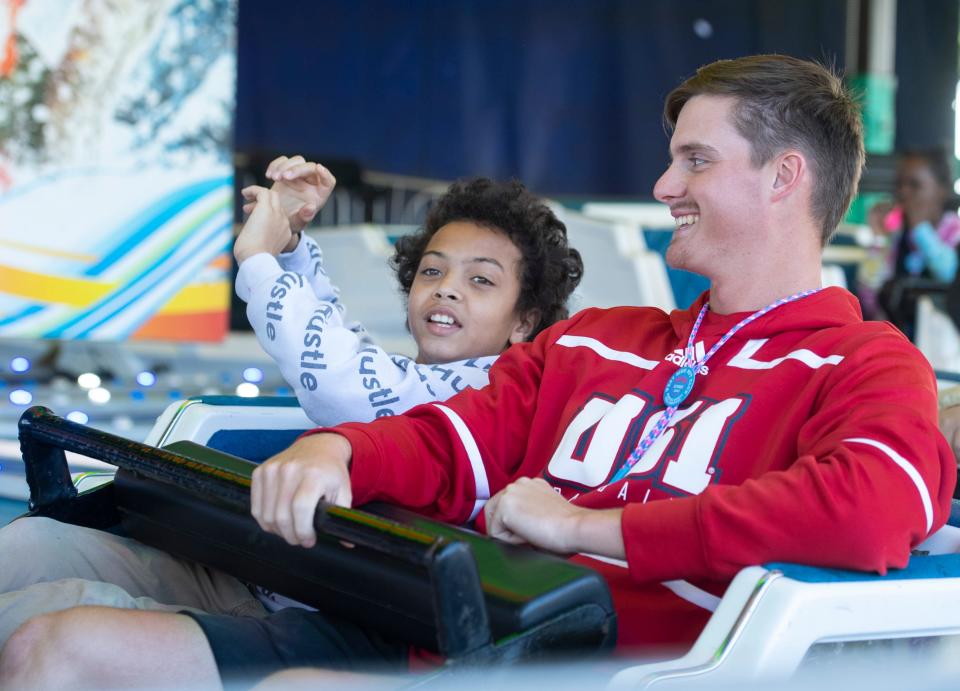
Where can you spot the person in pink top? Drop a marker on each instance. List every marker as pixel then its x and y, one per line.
pixel 923 228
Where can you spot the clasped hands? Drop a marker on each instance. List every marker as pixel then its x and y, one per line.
pixel 300 189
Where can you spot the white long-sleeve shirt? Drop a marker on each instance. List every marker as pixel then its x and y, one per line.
pixel 337 372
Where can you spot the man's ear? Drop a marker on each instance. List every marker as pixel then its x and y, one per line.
pixel 790 169
pixel 524 326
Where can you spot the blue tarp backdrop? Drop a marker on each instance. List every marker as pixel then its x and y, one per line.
pixel 564 94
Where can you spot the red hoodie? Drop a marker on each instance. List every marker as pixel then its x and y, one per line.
pixel 812 437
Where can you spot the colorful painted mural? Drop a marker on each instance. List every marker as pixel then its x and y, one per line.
pixel 115 168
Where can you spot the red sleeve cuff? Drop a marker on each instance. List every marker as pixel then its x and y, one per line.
pixel 364 462
pixel 662 540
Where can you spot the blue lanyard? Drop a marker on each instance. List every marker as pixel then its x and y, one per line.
pixel 681 382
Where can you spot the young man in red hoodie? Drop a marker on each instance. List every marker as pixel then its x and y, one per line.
pixel 668 451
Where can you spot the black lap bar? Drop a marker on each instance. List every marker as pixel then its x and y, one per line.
pixel 443 588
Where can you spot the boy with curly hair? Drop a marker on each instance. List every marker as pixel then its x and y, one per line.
pixel 489 268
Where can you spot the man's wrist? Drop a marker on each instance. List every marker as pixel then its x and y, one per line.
pixel 335 445
pixel 345 449
pixel 575 532
pixel 596 531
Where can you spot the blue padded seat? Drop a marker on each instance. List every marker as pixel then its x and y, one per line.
pixel 255 445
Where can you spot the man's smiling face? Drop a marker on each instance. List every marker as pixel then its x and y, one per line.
pixel 713 188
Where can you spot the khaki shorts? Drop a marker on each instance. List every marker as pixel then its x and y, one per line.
pixel 46 566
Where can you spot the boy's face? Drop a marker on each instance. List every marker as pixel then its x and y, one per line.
pixel 463 298
pixel 713 189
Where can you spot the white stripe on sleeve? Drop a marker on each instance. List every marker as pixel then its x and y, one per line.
pixel 473 453
pixel 911 472
pixel 682 589
pixel 692 594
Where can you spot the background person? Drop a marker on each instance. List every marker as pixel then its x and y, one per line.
pixel 923 227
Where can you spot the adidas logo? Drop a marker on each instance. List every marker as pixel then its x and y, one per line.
pixel 678 358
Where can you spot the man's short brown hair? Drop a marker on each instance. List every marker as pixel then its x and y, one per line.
pixel 787 103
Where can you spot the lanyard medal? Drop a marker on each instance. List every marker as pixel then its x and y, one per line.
pixel 681 382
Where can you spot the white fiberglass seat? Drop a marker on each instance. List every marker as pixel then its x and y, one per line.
pixel 937 336
pixel 833 275
pixel 772 617
pixel 618 269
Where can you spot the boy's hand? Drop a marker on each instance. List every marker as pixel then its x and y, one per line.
pixel 303 186
pixel 267 229
pixel 287 487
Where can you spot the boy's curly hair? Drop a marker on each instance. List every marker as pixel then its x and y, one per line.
pixel 550 269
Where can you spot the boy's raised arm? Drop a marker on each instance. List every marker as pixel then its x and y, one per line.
pixel 267 229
